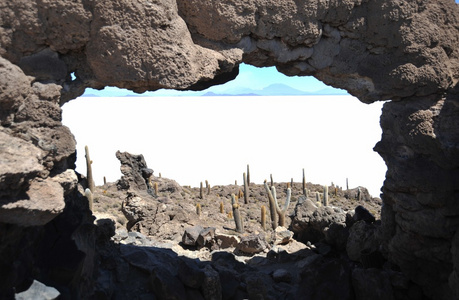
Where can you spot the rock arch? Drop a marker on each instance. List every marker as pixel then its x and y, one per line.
pixel 399 50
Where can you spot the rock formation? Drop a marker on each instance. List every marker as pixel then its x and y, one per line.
pixel 403 51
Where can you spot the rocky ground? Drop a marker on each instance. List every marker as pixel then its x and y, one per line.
pixel 175 242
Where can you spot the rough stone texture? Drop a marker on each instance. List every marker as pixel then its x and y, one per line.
pixel 253 243
pixel 372 284
pixel 312 224
pixel 132 167
pixel 38 291
pixel 44 201
pixel 361 237
pixel 405 51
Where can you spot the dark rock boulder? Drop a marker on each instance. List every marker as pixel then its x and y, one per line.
pixel 252 243
pixel 372 284
pixel 362 237
pixel 135 172
pixel 312 224
pixel 191 235
pixel 326 279
pixel 362 214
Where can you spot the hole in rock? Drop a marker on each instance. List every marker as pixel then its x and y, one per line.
pixel 294 123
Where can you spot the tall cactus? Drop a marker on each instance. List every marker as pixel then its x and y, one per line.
pixel 263 217
pixel 208 187
pixel 246 188
pixel 325 195
pixel 221 208
pixel 156 188
pixel 318 198
pixel 277 214
pixel 236 213
pixel 198 209
pixel 200 191
pixel 90 198
pixel 90 179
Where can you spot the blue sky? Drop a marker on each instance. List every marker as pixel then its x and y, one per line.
pixel 249 77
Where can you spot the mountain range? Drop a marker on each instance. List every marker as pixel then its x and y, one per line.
pixel 276 89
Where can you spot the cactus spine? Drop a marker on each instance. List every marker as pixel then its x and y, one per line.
pixel 263 217
pixel 277 214
pixel 90 179
pixel 246 188
pixel 90 198
pixel 236 213
pixel 326 195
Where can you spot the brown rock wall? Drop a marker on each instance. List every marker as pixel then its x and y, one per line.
pixel 405 51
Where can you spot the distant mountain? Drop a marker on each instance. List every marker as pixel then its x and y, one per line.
pixel 276 89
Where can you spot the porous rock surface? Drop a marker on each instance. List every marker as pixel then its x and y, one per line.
pixel 404 51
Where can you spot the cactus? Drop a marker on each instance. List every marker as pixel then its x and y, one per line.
pixel 221 208
pixel 336 191
pixel 105 181
pixel 208 187
pixel 236 213
pixel 230 215
pixel 90 179
pixel 246 188
pixel 326 195
pixel 359 194
pixel 318 197
pixel 156 188
pixel 288 185
pixel 198 209
pixel 248 175
pixel 200 191
pixel 291 183
pixel 263 217
pixel 272 182
pixel 305 192
pixel 159 175
pixel 240 194
pixel 347 184
pixel 89 196
pixel 277 214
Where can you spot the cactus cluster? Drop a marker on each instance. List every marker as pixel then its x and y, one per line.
pixel 277 214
